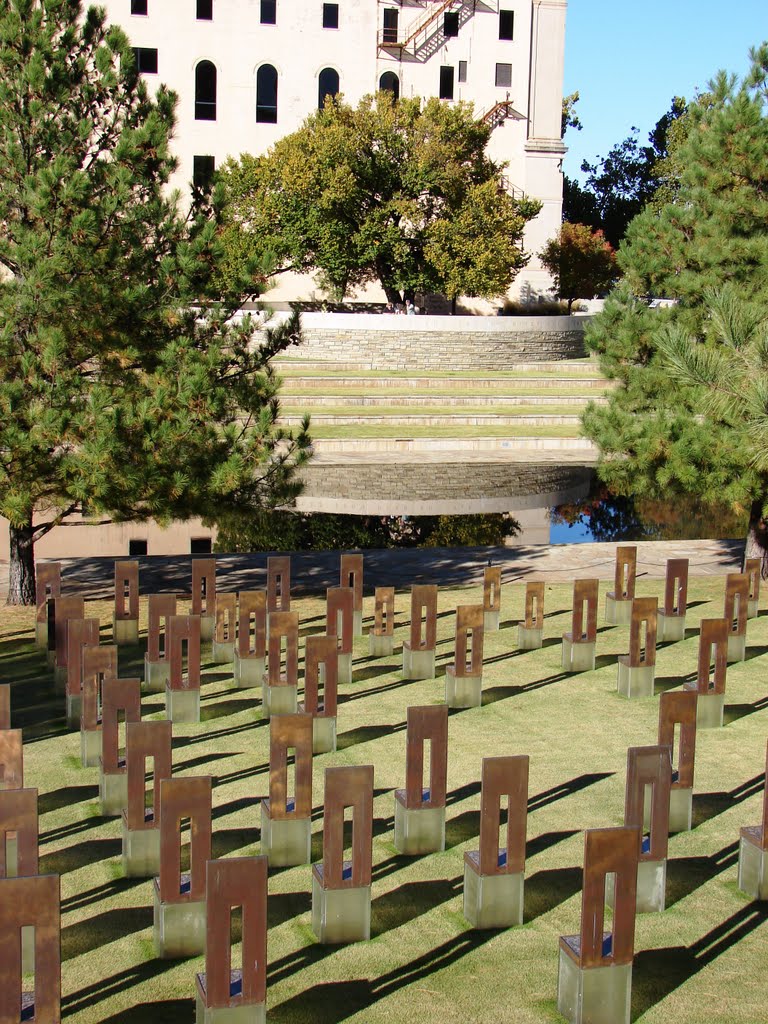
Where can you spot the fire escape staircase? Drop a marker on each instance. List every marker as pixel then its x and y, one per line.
pixel 425 36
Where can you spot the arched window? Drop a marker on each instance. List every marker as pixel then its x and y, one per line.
pixel 328 85
pixel 266 94
pixel 205 91
pixel 391 83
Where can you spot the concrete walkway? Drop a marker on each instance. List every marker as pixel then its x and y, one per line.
pixel 312 571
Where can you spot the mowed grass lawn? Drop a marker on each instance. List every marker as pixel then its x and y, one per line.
pixel 702 960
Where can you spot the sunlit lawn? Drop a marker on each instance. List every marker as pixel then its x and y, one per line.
pixel 702 960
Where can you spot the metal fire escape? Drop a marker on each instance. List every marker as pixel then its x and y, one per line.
pixel 424 36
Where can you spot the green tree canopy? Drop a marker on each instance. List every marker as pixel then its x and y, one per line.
pixel 126 387
pixel 661 433
pixel 619 185
pixel 401 192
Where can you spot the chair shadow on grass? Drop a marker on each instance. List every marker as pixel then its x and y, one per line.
pixel 67 796
pixel 169 1011
pixel 733 712
pixel 409 901
pixel 663 683
pixel 106 988
pixel 85 936
pixel 84 854
pixel 708 805
pixel 495 693
pixel 686 874
pixel 658 972
pixel 227 707
pixel 333 1002
pixel 366 733
pixel 546 890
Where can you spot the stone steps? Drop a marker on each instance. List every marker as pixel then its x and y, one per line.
pixel 458 420
pixel 448 384
pixel 405 403
pixel 448 446
pixel 290 366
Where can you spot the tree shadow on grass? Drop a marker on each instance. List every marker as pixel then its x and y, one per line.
pixel 708 805
pixel 686 874
pixel 84 854
pixel 85 936
pixel 658 972
pixel 333 1002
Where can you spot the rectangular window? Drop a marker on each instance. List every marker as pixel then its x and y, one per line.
pixel 146 60
pixel 446 83
pixel 504 76
pixel 137 547
pixel 390 25
pixel 268 12
pixel 205 10
pixel 202 171
pixel 200 546
pixel 506 24
pixel 462 71
pixel 138 6
pixel 451 23
pixel 330 15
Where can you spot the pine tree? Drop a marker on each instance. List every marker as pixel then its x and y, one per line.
pixel 128 388
pixel 658 435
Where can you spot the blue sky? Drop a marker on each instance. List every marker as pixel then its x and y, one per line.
pixel 627 66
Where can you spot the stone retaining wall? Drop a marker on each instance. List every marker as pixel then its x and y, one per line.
pixel 417 487
pixel 438 342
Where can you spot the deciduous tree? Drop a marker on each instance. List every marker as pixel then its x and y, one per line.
pixel 400 192
pixel 581 262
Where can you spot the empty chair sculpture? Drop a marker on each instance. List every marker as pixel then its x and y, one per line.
pixel 250 657
pixel 419 648
pixel 99 665
pixel 494 874
pixel 182 692
pixel 352 576
pixel 735 614
pixel 753 853
pixel 341 889
pixel 225 991
pixel 223 651
pixel 125 618
pixel 580 644
pixel 179 897
pixel 11 759
pixel 637 670
pixel 204 595
pixel 160 608
pixel 753 569
pixel 530 632
pixel 464 678
pixel 286 818
pixel 420 807
pixel 677 710
pixel 594 984
pixel 121 698
pixel 144 741
pixel 710 681
pixel 618 602
pixel 321 685
pixel 30 902
pixel 491 597
pixel 671 618
pixel 282 678
pixel 81 633
pixel 278 584
pixel 381 640
pixel 47 589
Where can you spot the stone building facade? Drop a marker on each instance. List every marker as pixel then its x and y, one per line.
pixel 248 72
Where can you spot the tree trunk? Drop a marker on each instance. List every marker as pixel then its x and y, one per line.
pixel 21 569
pixel 757 537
